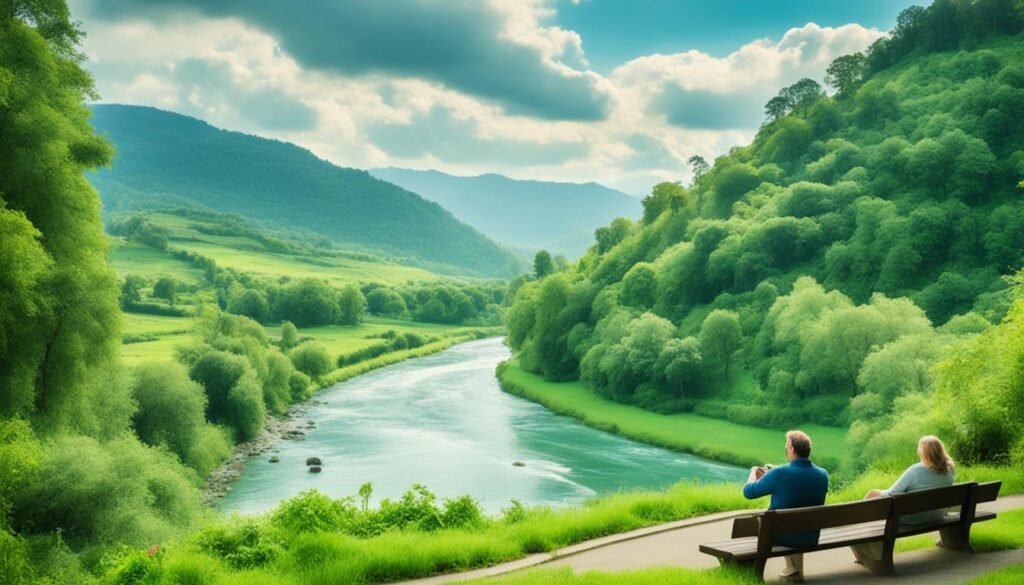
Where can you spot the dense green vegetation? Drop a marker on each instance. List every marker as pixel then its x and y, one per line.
pixel 840 269
pixel 846 267
pixel 559 217
pixel 168 158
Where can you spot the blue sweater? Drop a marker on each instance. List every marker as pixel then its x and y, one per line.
pixel 798 484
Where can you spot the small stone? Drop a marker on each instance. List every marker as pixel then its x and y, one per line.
pixel 314 461
pixel 518 464
pixel 314 469
pixel 274 458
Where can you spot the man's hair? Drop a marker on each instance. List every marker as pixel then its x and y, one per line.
pixel 800 442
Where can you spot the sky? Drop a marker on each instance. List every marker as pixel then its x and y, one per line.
pixel 621 92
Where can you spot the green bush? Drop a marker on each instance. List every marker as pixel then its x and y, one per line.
pixel 242 543
pixel 171 407
pixel 311 359
pixel 218 372
pixel 312 511
pixel 246 411
pixel 119 491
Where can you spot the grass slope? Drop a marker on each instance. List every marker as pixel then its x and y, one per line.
pixel 732 443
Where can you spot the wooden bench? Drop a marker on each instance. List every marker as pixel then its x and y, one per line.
pixel 843 525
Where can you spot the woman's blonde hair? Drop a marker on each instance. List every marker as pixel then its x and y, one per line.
pixel 933 454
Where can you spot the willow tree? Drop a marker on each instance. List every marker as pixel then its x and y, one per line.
pixel 59 319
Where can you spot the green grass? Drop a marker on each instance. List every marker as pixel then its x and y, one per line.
pixel 342 339
pixel 1012 575
pixel 732 443
pixel 659 576
pixel 132 258
pixel 1006 532
pixel 139 324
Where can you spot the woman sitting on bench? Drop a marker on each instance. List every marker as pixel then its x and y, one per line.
pixel 933 471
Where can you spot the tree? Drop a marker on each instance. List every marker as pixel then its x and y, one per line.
pixel 720 339
pixel 680 363
pixel 608 237
pixel 661 199
pixel 639 286
pixel 308 303
pixel 250 303
pixel 59 333
pixel 311 359
pixel 698 166
pixel 131 290
pixel 385 301
pixel 846 73
pixel 365 493
pixel 171 407
pixel 246 410
pixel 351 305
pixel 166 288
pixel 542 264
pixel 218 372
pixel 289 335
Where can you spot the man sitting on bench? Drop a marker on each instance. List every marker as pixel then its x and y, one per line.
pixel 797 484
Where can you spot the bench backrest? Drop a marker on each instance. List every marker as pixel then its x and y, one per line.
pixel 933 499
pixel 987 492
pixel 830 516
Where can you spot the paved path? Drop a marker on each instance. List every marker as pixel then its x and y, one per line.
pixel 675 544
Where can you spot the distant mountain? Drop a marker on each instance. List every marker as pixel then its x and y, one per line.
pixel 168 159
pixel 558 217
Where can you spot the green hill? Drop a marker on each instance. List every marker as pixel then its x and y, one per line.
pixel 558 217
pixel 821 272
pixel 166 159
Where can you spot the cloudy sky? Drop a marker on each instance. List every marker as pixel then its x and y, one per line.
pixel 616 91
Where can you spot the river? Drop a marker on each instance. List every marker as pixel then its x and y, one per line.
pixel 443 421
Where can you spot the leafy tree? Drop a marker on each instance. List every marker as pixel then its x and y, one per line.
pixel 661 199
pixel 639 286
pixel 289 335
pixel 171 407
pixel 845 73
pixel 385 301
pixel 131 290
pixel 250 303
pixel 720 339
pixel 245 407
pixel 608 237
pixel 166 288
pixel 351 305
pixel 308 303
pixel 311 359
pixel 542 264
pixel 58 330
pixel 681 362
pixel 698 166
pixel 218 372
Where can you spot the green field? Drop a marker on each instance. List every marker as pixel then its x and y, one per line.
pixel 708 437
pixel 134 258
pixel 337 339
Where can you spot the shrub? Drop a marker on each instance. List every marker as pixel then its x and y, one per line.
pixel 246 411
pixel 243 543
pixel 312 511
pixel 218 372
pixel 105 492
pixel 311 359
pixel 170 407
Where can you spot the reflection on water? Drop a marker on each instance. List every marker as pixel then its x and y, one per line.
pixel 442 421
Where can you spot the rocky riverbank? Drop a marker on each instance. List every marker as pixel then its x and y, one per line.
pixel 291 426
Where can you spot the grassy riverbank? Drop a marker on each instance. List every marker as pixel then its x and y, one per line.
pixel 715 439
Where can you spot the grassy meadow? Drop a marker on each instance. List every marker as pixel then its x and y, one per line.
pixel 734 443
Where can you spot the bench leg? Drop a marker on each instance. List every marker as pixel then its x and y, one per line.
pixel 956 538
pixel 875 557
pixel 756 566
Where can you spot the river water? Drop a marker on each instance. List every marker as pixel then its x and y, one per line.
pixel 442 421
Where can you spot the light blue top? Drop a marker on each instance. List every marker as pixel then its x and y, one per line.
pixel 919 477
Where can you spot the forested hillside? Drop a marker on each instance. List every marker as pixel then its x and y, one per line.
pixel 819 273
pixel 165 159
pixel 558 217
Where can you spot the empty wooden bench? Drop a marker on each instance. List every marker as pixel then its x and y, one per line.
pixel 843 525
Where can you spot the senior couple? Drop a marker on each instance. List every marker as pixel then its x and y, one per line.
pixel 801 483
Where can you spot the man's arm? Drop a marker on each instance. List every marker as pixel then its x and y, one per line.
pixel 758 488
